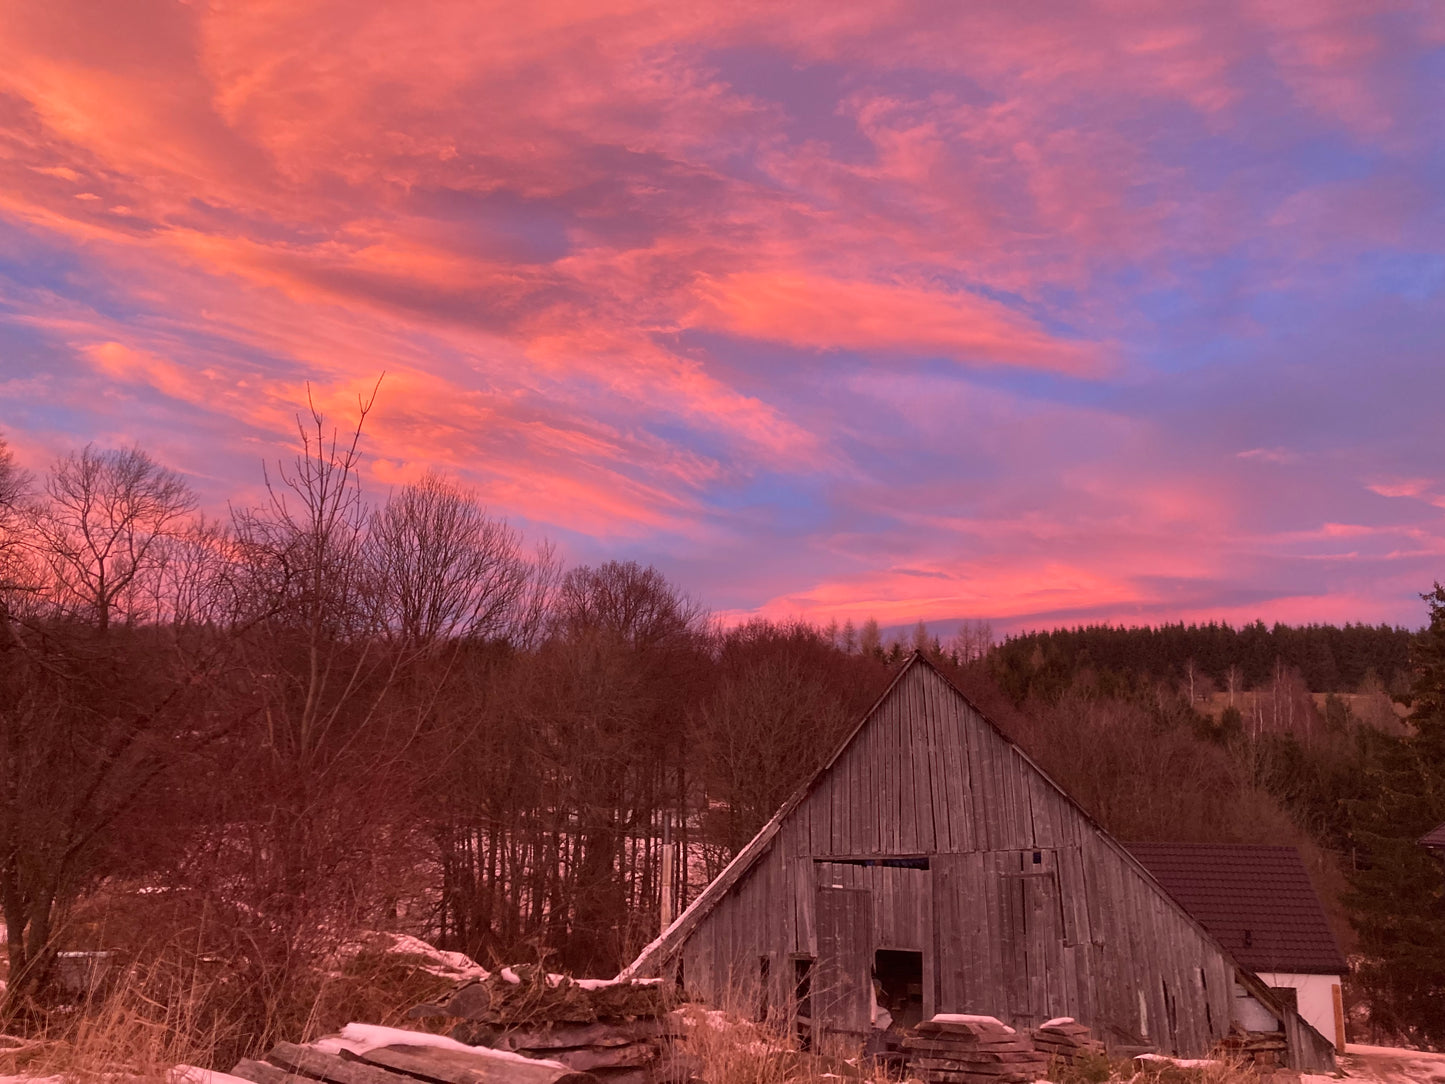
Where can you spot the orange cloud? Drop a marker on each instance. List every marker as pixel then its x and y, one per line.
pixel 823 313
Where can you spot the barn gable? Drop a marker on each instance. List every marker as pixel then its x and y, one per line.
pixel 929 832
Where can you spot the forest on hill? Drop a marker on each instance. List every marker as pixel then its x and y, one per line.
pixel 228 748
pixel 1328 658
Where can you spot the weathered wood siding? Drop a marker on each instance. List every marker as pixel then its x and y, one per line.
pixel 1027 910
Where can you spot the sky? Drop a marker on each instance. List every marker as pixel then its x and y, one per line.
pixel 1040 314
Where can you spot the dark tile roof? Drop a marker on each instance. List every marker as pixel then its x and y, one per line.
pixel 1434 838
pixel 1258 902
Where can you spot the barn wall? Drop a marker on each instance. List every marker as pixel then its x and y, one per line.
pixel 1027 910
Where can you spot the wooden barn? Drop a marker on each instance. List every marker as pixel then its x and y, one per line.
pixel 929 867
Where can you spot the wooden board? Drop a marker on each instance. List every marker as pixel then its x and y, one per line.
pixel 842 976
pixel 477 1066
pixel 329 1067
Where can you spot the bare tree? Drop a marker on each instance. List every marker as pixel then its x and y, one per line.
pixel 90 726
pixel 973 641
pixel 624 600
pixel 921 638
pixel 322 779
pixel 870 639
pixel 104 526
pixel 762 732
pixel 1233 682
pixel 14 487
pixel 445 568
pixel 14 490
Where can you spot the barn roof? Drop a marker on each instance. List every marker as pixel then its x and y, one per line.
pixel 1435 838
pixel 1257 901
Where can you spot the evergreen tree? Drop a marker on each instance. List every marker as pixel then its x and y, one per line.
pixel 1397 895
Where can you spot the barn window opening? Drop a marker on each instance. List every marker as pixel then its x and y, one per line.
pixel 920 862
pixel 1038 858
pixel 898 986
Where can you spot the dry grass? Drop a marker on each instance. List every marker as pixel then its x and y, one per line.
pixel 178 1006
pixel 730 1050
pixel 184 1008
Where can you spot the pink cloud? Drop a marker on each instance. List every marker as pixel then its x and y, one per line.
pixel 1403 487
pixel 824 313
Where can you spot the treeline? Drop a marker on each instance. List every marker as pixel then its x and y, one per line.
pixel 1328 658
pixel 248 741
pixel 327 715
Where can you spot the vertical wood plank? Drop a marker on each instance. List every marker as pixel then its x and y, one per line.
pixel 841 997
pixel 920 775
pixel 951 774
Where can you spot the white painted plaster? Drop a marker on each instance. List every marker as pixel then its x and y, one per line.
pixel 1316 997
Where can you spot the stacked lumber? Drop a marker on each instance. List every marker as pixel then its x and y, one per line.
pixel 620 1051
pixel 1265 1049
pixel 1066 1039
pixel 388 1056
pixel 958 1049
pixel 621 1032
pixel 527 996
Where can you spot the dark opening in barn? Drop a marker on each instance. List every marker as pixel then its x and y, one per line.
pixel 898 986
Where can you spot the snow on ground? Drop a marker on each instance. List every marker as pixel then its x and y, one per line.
pixel 434 961
pixel 1182 1063
pixel 1389 1065
pixel 448 963
pixel 363 1038
pixel 190 1074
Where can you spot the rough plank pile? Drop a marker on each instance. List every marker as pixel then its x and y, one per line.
pixel 400 1063
pixel 958 1049
pixel 621 1032
pixel 1066 1039
pixel 1266 1049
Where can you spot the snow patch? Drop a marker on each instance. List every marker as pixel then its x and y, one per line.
pixel 190 1074
pixel 403 943
pixel 434 961
pixel 966 1018
pixel 602 984
pixel 1059 1022
pixel 362 1039
pixel 1182 1063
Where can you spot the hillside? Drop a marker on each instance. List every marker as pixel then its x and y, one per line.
pixel 1213 657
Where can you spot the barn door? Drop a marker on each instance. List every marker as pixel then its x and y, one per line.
pixel 841 986
pixel 1033 921
pixel 964 976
